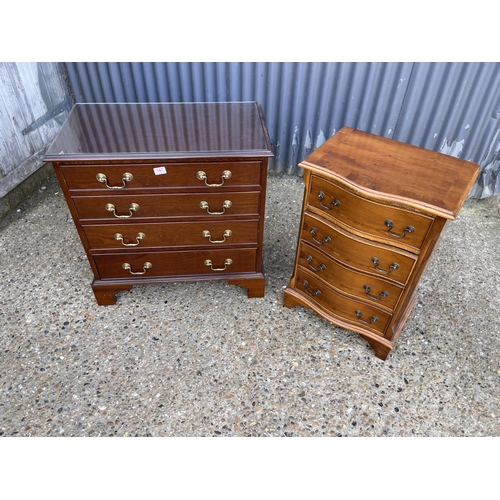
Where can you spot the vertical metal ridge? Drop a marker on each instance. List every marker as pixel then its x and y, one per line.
pixel 449 107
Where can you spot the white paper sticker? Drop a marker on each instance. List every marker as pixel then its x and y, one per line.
pixel 160 170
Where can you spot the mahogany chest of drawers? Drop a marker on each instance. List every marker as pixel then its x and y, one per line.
pixel 166 192
pixel 373 211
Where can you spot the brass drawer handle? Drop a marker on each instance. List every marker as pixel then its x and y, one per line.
pixel 227 262
pixel 381 295
pixel 312 294
pixel 321 267
pixel 145 267
pixel 373 319
pixel 202 176
pixel 204 206
pixel 334 203
pixel 326 239
pixel 392 267
pixel 390 225
pixel 119 237
pixel 133 208
pixel 126 177
pixel 227 233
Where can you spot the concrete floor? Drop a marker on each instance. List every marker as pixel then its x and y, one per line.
pixel 201 359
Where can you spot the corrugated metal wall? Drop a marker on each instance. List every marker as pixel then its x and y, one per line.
pixel 449 107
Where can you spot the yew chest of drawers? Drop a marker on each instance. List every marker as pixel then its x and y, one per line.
pixel 166 192
pixel 373 211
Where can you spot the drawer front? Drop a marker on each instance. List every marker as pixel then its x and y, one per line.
pixel 135 236
pixel 190 263
pixel 132 206
pixel 350 310
pixel 372 289
pixel 175 175
pixel 361 254
pixel 396 226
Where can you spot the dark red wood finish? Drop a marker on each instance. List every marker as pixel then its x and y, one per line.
pixel 145 183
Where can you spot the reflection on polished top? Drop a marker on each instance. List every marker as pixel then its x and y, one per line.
pixel 125 130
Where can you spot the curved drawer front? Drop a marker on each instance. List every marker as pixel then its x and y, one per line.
pixel 371 289
pixel 203 262
pixel 398 227
pixel 171 234
pixel 131 207
pixel 376 259
pixel 176 175
pixel 336 304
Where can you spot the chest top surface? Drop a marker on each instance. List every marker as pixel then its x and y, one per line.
pixel 395 172
pixel 161 130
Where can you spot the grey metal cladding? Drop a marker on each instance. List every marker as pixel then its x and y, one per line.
pixel 450 107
